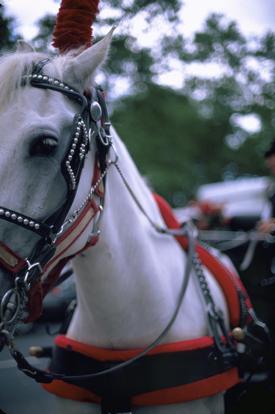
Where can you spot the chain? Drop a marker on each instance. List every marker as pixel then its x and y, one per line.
pixel 88 198
pixel 215 316
pixel 203 282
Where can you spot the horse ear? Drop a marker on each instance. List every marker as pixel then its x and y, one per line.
pixel 83 66
pixel 23 47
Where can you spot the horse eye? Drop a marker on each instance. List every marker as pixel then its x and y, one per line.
pixel 43 146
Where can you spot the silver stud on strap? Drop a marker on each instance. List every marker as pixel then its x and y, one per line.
pixel 96 111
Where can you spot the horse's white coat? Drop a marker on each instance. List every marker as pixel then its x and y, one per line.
pixel 128 284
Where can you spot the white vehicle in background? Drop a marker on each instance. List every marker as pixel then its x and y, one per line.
pixel 242 197
pixel 226 214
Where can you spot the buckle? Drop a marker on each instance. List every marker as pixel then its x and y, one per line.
pixel 30 275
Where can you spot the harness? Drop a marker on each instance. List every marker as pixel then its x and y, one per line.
pixel 169 373
pixel 158 374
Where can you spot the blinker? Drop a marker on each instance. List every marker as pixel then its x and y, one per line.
pixel 96 111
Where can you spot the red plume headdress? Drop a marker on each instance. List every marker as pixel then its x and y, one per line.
pixel 73 28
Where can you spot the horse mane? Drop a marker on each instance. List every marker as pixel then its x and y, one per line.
pixel 13 66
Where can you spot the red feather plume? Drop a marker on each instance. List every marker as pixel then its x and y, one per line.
pixel 73 28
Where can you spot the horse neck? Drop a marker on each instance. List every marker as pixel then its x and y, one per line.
pixel 125 282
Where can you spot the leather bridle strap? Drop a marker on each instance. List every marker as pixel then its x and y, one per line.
pixel 73 161
pixel 91 122
pixel 42 229
pixel 71 167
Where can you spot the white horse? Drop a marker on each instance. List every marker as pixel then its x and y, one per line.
pixel 128 284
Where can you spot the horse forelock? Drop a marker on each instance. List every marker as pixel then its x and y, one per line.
pixel 14 66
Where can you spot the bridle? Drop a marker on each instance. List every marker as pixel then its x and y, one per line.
pixel 91 122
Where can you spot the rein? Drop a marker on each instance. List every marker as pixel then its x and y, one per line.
pixel 47 377
pixel 222 340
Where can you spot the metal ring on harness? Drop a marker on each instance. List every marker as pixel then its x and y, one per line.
pixel 9 308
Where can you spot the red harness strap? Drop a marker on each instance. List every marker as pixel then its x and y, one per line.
pixel 57 263
pixel 54 267
pixel 175 363
pixel 211 383
pixel 12 262
pixel 229 281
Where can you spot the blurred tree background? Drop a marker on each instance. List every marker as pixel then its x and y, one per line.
pixel 8 34
pixel 214 125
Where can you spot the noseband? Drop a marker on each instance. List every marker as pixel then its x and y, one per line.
pixel 91 122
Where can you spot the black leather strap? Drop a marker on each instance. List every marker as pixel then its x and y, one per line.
pixel 149 373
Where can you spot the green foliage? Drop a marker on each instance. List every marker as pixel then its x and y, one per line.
pixel 43 39
pixel 169 140
pixel 187 138
pixel 8 37
pixel 182 139
pixel 128 58
pixel 219 41
pixel 129 9
pixel 177 148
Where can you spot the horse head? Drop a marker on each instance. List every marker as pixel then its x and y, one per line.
pixel 48 120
